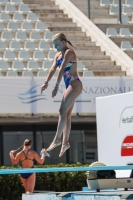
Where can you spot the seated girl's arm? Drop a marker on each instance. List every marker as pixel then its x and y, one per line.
pixel 15 159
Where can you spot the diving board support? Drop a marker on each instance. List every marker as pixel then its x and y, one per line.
pixel 110 183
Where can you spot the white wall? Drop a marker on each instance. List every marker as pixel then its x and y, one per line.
pixel 115 130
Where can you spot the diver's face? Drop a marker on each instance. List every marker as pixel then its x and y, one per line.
pixel 58 44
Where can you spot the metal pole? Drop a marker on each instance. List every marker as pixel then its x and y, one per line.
pixel 83 142
pixel 42 140
pixel 1 146
pixel 89 9
pixel 34 137
pixel 120 18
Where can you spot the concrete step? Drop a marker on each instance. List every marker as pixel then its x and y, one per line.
pixel 93 57
pixel 59 24
pixel 94 1
pixel 50 11
pixel 99 12
pixel 38 1
pixel 96 12
pixel 109 73
pixel 93 16
pixel 97 62
pixel 51 16
pixel 80 38
pixel 57 19
pixel 82 46
pixel 85 48
pixel 84 3
pixel 89 52
pixel 63 29
pixel 73 33
pixel 98 21
pixel 110 67
pixel 46 6
pixel 81 43
pixel 93 7
pixel 104 20
pixel 45 2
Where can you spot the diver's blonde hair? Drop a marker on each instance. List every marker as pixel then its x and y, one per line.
pixel 62 37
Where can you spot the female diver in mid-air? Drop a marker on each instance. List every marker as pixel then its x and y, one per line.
pixel 66 60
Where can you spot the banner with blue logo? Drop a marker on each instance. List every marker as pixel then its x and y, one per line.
pixel 22 95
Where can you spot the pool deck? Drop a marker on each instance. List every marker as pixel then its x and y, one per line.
pixel 119 194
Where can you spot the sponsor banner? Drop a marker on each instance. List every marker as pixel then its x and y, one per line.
pixel 22 95
pixel 115 130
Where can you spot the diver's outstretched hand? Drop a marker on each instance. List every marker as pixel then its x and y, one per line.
pixel 43 87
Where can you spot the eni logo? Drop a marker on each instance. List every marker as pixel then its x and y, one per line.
pixel 31 95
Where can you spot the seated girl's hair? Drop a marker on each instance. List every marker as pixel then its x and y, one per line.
pixel 26 143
